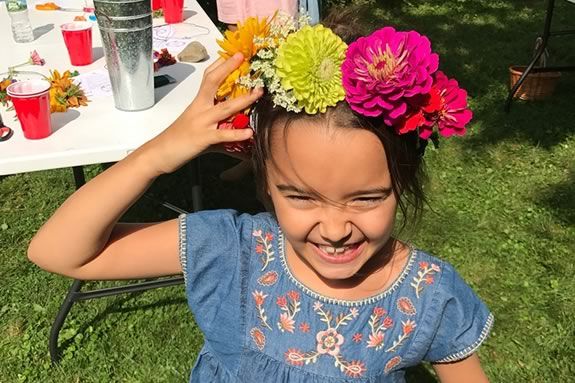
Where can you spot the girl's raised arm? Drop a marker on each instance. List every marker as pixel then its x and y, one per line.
pixel 83 239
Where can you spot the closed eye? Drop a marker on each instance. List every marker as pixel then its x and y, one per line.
pixel 366 201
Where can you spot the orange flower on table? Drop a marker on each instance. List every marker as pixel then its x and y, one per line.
pixel 241 40
pixel 64 93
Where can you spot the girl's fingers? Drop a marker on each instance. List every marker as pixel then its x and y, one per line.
pixel 232 135
pixel 214 77
pixel 228 108
pixel 214 64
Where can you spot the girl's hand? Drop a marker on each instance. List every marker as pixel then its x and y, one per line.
pixel 195 130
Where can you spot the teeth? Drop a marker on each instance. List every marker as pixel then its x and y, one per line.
pixel 333 250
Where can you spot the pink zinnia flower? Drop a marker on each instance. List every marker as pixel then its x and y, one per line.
pixel 447 107
pixel 383 70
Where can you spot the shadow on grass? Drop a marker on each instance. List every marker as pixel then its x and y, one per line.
pixel 115 307
pixel 419 374
pixel 560 199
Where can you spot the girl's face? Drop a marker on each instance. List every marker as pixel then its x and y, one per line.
pixel 331 190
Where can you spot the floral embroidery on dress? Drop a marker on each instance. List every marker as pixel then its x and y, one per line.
pixel 260 298
pixel 268 279
pixel 379 321
pixel 264 247
pixel 405 305
pixel 329 342
pixel 258 337
pixel 408 327
pixel 425 274
pixel 392 363
pixel 304 327
pixel 357 337
pixel 290 307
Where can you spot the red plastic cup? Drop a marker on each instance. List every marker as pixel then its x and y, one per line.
pixel 31 99
pixel 173 11
pixel 156 4
pixel 78 39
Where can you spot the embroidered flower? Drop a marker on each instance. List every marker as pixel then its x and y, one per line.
pixel 328 342
pixel 258 337
pixel 286 323
pixel 379 322
pixel 387 322
pixel 383 70
pixel 407 328
pixel 290 307
pixel 293 295
pixel 392 363
pixel 269 278
pixel 317 306
pixel 264 247
pixel 308 63
pixel 304 327
pixel 378 311
pixel 405 305
pixel 294 357
pixel 281 301
pixel 259 298
pixel 425 274
pixel 357 337
pixel 354 312
pixel 355 369
pixel 375 340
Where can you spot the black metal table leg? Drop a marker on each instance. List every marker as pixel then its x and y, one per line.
pixel 60 318
pixel 542 47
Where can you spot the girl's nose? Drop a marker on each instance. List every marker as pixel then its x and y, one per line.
pixel 334 226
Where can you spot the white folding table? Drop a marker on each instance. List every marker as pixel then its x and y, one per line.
pixel 98 133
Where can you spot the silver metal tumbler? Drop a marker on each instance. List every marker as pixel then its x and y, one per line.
pixel 126 29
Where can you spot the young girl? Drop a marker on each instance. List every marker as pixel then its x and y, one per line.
pixel 317 289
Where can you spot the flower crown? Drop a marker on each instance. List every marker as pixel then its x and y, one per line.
pixel 389 74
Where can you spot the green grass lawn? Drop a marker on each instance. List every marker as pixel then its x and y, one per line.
pixel 502 211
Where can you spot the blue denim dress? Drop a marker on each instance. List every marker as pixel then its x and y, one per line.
pixel 262 325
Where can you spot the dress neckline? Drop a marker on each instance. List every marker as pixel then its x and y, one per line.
pixel 344 302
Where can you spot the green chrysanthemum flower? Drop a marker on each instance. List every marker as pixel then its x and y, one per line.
pixel 309 64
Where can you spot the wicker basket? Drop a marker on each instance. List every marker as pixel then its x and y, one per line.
pixel 537 86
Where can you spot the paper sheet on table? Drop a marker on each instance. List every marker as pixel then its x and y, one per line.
pixel 175 37
pixel 95 84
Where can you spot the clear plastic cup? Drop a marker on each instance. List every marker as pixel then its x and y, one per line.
pixel 78 39
pixel 31 100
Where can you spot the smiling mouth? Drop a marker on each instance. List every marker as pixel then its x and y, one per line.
pixel 342 254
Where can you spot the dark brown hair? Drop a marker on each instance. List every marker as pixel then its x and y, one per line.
pixel 403 152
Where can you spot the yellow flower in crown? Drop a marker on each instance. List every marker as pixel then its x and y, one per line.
pixel 242 40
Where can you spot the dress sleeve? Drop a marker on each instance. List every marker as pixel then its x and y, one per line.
pixel 211 245
pixel 462 323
